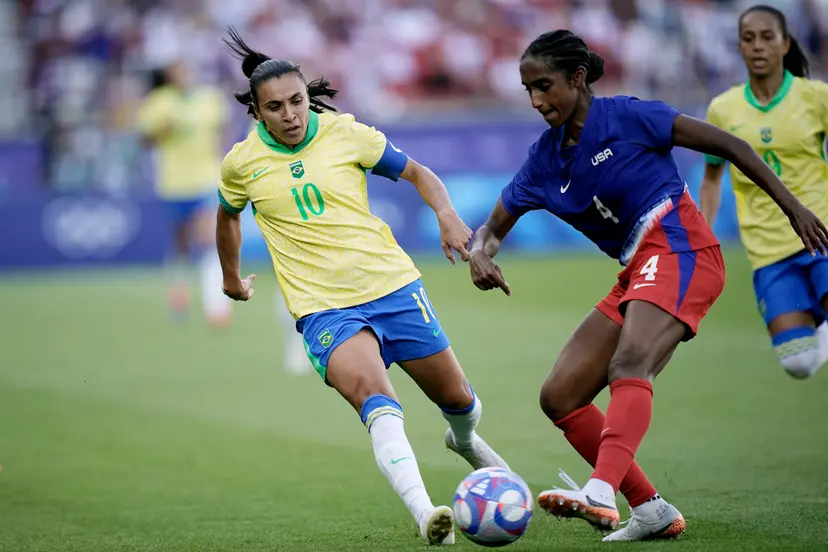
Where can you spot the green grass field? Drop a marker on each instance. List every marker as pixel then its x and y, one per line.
pixel 121 431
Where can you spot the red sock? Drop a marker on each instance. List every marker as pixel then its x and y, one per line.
pixel 582 428
pixel 628 418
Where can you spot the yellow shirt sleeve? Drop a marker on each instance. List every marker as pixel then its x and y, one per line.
pixel 821 96
pixel 370 144
pixel 714 119
pixel 231 192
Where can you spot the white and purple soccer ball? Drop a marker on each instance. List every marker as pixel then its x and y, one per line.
pixel 493 507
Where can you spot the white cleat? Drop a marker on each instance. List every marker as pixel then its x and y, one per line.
pixel 665 522
pixel 576 503
pixel 437 526
pixel 478 453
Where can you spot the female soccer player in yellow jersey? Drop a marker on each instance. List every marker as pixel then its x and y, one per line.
pixel 185 123
pixel 784 117
pixel 357 297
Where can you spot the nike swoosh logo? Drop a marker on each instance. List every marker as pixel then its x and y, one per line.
pixel 734 128
pixel 565 188
pixel 258 173
pixel 596 504
pixel 636 286
pixel 398 460
pixel 437 331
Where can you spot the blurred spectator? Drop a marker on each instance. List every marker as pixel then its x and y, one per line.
pixel 77 69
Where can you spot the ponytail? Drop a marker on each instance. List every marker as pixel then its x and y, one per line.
pixel 258 68
pixel 796 60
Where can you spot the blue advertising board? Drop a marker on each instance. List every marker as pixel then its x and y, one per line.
pixel 474 160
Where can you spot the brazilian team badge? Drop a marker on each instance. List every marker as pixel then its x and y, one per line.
pixel 767 134
pixel 297 169
pixel 325 338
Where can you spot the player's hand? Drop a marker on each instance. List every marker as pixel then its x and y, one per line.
pixel 486 274
pixel 811 230
pixel 454 235
pixel 240 290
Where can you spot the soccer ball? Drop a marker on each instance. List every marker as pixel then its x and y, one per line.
pixel 493 507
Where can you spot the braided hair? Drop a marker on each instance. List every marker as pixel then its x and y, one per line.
pixel 258 68
pixel 564 51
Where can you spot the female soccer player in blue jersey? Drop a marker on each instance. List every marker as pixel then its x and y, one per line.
pixel 357 297
pixel 784 117
pixel 606 168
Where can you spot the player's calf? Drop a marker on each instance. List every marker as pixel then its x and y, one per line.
pixel 798 351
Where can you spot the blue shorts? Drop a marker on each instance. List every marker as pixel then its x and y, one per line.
pixel 182 211
pixel 404 322
pixel 795 284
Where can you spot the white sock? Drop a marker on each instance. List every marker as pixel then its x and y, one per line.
pixel 213 299
pixel 396 459
pixel 463 424
pixel 798 351
pixel 822 340
pixel 649 508
pixel 600 491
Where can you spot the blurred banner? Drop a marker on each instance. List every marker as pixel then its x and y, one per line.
pixel 474 160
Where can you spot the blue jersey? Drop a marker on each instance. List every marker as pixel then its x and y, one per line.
pixel 615 184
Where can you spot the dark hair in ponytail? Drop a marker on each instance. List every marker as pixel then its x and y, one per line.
pixel 796 60
pixel 565 51
pixel 258 68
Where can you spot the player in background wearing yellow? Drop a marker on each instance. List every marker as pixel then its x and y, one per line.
pixel 185 123
pixel 357 297
pixel 784 117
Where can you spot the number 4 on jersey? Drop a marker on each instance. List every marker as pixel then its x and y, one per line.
pixel 650 268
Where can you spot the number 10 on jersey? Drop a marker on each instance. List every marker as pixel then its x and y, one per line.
pixel 305 202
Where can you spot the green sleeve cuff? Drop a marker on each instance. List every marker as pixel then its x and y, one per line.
pixel 227 207
pixel 713 160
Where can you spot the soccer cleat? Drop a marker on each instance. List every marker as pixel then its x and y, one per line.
pixel 576 503
pixel 666 522
pixel 437 525
pixel 478 453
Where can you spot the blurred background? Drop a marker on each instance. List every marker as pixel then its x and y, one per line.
pixel 438 76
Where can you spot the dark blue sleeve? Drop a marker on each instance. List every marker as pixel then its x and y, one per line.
pixel 649 123
pixel 517 197
pixel 392 163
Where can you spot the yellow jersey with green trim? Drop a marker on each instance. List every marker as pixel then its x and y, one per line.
pixel 311 202
pixel 188 131
pixel 789 134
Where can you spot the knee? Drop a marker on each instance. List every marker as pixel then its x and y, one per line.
pixel 457 398
pixel 632 359
pixel 558 401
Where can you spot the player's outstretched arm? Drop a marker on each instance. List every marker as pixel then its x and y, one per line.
pixel 485 273
pixel 705 138
pixel 228 241
pixel 454 234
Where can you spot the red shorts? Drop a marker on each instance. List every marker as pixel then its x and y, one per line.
pixel 682 281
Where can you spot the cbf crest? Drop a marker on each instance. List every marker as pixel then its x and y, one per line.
pixel 297 170
pixel 767 134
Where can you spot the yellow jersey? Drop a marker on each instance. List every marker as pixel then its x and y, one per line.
pixel 188 157
pixel 311 203
pixel 789 134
